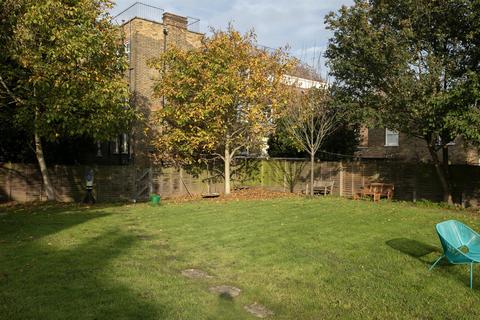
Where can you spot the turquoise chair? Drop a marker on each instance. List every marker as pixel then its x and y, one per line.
pixel 461 245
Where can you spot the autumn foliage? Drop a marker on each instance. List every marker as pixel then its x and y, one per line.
pixel 221 98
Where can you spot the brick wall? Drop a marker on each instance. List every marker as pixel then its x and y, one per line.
pixel 23 183
pixel 411 149
pixel 146 39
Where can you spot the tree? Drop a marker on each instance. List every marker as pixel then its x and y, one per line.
pixel 220 98
pixel 309 120
pixel 64 71
pixel 342 142
pixel 411 66
pixel 288 172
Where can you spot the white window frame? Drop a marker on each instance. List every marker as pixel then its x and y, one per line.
pixel 390 133
pixel 439 142
pixel 124 143
pixel 99 149
pixel 127 48
pixel 130 145
pixel 116 146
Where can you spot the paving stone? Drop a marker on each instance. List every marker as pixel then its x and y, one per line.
pixel 195 274
pixel 227 292
pixel 259 310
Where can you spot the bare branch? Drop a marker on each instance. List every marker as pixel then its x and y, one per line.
pixel 9 92
pixel 232 154
pixel 219 156
pixel 311 119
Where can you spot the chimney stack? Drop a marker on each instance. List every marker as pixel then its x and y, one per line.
pixel 170 19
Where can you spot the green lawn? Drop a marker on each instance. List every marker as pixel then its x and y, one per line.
pixel 302 258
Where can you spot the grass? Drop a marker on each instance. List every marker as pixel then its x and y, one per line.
pixel 324 258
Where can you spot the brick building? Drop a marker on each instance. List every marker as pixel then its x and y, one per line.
pixel 147 31
pixel 381 143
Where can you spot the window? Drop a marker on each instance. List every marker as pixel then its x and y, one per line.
pixel 116 146
pixel 439 142
pixel 391 138
pixel 124 143
pixel 130 145
pixel 127 49
pixel 99 149
pixel 121 144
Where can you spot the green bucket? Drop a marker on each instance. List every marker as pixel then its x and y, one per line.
pixel 154 199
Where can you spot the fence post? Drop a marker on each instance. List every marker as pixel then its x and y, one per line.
pixel 415 185
pixel 262 172
pixel 353 178
pixel 340 187
pixel 170 179
pixel 363 174
pixel 181 187
pixel 160 181
pixel 150 181
pixel 9 180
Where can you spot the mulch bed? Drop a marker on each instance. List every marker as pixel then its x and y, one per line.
pixel 237 195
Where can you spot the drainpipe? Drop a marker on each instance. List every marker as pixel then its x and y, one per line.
pixel 165 34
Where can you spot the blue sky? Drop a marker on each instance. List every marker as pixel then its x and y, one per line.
pixel 298 23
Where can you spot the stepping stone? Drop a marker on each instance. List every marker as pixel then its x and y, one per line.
pixel 195 274
pixel 227 292
pixel 258 310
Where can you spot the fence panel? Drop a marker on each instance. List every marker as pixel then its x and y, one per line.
pixel 22 182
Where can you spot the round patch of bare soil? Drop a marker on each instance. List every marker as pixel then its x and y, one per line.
pixel 259 310
pixel 195 274
pixel 226 292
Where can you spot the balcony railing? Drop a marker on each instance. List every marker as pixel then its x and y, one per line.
pixel 151 13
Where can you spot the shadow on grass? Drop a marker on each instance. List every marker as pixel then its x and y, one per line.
pixel 412 247
pixel 38 220
pixel 88 280
pixel 419 250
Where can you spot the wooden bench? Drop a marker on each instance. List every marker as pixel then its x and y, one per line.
pixel 321 187
pixel 377 191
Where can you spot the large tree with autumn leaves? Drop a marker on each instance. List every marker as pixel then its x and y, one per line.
pixel 412 66
pixel 220 98
pixel 62 72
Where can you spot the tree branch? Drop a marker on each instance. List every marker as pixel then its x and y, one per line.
pixel 9 92
pixel 219 156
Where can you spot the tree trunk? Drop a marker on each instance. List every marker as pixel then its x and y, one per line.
pixel 43 168
pixel 442 173
pixel 312 175
pixel 227 169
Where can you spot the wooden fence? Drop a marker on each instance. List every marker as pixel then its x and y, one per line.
pixel 23 183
